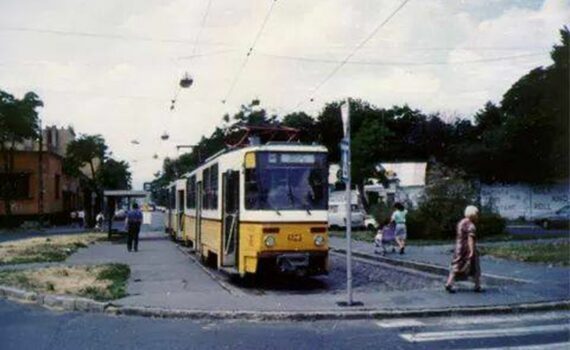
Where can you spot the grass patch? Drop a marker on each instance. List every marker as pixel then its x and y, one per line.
pixel 100 282
pixel 45 249
pixel 368 236
pixel 557 253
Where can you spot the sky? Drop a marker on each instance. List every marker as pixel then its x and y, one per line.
pixel 111 67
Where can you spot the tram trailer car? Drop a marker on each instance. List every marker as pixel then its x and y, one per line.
pixel 256 209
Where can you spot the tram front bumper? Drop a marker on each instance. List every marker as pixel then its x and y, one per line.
pixel 298 263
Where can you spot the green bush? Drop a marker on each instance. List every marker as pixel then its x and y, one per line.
pixel 490 224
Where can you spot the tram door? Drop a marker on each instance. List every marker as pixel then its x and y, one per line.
pixel 198 228
pixel 230 214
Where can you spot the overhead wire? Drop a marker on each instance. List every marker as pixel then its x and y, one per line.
pixel 194 48
pixel 400 63
pixel 249 53
pixel 355 49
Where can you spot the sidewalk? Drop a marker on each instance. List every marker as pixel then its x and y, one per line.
pixel 441 256
pixel 163 277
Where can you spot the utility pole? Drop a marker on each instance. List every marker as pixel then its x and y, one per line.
pixel 346 176
pixel 41 175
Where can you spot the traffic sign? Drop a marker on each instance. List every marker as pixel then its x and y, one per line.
pixel 345 164
pixel 344 145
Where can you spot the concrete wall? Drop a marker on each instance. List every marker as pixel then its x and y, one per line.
pixel 527 201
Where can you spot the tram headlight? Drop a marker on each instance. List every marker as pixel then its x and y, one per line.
pixel 319 240
pixel 269 241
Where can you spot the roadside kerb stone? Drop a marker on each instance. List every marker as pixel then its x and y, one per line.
pixel 19 294
pixel 89 305
pixel 425 267
pixel 70 303
pixel 338 315
pixel 61 302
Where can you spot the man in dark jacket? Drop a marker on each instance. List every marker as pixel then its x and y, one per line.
pixel 134 221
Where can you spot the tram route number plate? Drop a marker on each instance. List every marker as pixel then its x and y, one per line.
pixel 295 237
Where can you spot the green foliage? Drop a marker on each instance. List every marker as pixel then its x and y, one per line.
pixel 556 253
pixel 490 224
pixel 84 150
pixel 114 175
pixel 442 205
pixel 118 274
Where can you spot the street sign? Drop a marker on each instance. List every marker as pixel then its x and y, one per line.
pixel 345 164
pixel 344 145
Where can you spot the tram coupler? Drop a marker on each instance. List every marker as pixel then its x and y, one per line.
pixel 293 263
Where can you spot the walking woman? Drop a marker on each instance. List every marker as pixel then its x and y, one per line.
pixel 399 220
pixel 465 262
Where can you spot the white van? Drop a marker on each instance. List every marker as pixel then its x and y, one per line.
pixel 337 210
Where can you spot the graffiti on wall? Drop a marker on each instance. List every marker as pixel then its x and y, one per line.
pixel 524 201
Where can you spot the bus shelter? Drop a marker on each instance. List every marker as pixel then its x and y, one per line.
pixel 111 199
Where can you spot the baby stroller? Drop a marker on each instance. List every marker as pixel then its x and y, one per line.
pixel 386 236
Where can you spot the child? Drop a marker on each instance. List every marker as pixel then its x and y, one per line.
pixel 384 236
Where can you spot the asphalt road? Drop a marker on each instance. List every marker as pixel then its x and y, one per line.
pixel 26 327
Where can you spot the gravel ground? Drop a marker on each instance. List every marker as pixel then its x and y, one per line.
pixel 367 278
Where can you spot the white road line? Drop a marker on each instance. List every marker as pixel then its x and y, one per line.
pixel 400 323
pixel 551 346
pixel 467 320
pixel 483 333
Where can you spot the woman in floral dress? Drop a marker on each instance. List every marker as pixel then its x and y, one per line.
pixel 465 262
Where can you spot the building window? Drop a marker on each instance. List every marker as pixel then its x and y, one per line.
pixel 15 186
pixel 57 186
pixel 191 192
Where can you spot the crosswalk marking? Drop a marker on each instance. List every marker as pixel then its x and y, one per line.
pixel 412 322
pixel 400 323
pixel 552 346
pixel 482 333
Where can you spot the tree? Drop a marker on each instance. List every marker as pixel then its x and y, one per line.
pixel 114 175
pixel 306 124
pixel 86 150
pixel 18 122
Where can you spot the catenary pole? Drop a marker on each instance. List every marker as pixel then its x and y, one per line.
pixel 345 113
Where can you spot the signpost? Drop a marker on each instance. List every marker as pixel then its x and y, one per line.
pixel 346 177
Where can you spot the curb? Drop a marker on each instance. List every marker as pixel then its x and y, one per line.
pixel 425 267
pixel 70 303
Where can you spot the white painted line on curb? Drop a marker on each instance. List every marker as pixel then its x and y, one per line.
pixel 551 346
pixel 483 333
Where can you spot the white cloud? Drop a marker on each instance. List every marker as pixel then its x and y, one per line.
pixel 121 87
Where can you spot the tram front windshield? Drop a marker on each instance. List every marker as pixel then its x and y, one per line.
pixel 287 181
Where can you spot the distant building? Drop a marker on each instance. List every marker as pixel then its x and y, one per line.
pixel 405 182
pixel 61 193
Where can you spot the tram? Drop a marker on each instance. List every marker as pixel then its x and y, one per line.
pixel 254 209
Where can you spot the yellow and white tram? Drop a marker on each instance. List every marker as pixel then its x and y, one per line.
pixel 255 209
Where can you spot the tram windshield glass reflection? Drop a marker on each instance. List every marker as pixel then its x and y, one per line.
pixel 287 181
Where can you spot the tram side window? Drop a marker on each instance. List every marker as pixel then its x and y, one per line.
pixel 210 195
pixel 206 191
pixel 214 187
pixel 191 192
pixel 172 199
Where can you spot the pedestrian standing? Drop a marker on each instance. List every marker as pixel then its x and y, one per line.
pixel 465 262
pixel 399 220
pixel 99 222
pixel 134 221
